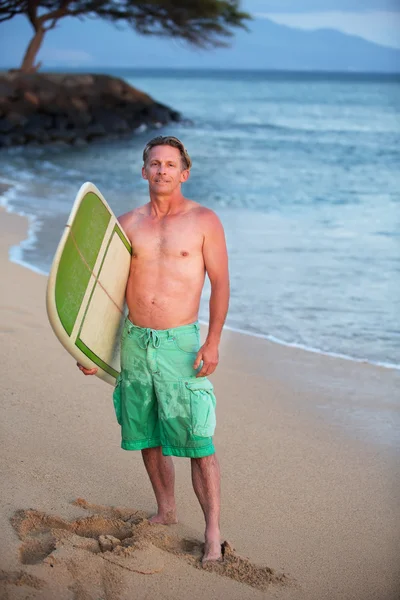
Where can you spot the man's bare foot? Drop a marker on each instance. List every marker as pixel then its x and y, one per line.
pixel 212 548
pixel 164 518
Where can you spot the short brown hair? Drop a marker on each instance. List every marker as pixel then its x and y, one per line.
pixel 168 140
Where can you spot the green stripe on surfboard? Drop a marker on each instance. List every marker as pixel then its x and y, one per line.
pixel 116 231
pixel 123 239
pixel 96 359
pixel 74 273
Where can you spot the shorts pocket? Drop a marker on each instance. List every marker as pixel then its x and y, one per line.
pixel 187 342
pixel 202 406
pixel 117 399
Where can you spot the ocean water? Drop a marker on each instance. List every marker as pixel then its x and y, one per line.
pixel 303 170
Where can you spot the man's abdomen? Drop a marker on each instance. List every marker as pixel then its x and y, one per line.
pixel 166 296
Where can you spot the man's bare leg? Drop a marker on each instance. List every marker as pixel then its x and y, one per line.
pixel 161 472
pixel 206 484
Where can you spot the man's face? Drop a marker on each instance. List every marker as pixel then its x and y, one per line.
pixel 163 170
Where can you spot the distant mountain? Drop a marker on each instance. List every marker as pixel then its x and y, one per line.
pixel 273 46
pixel 95 43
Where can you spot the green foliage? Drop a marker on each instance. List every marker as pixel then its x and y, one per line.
pixel 203 23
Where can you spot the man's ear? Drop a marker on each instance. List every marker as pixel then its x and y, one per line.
pixel 144 174
pixel 185 175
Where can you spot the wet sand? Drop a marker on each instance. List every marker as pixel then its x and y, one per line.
pixel 309 451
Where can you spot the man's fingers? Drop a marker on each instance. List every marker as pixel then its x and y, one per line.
pixel 201 373
pixel 86 371
pixel 197 362
pixel 90 371
pixel 207 369
pixel 210 370
pixel 203 370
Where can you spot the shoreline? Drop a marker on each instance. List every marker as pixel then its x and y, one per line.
pixel 32 239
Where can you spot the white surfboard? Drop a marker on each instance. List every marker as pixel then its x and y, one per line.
pixel 86 285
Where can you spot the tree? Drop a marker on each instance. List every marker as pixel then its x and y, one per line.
pixel 203 23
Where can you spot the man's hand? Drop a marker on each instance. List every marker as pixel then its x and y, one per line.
pixel 208 353
pixel 86 371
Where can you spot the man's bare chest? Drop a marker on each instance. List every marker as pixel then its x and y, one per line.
pixel 152 239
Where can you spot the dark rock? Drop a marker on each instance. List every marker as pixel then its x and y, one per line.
pixel 42 108
pixel 60 144
pixel 111 121
pixel 39 121
pixel 34 134
pixel 78 80
pixel 95 130
pixel 6 89
pixel 176 116
pixel 17 119
pixel 79 103
pixel 80 143
pixel 31 98
pixel 63 135
pixel 47 96
pixel 76 119
pixel 6 125
pixel 159 113
pixel 5 141
pixel 115 124
pixel 19 139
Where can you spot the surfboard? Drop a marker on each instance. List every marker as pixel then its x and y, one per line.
pixel 85 296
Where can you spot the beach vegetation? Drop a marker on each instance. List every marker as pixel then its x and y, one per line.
pixel 201 23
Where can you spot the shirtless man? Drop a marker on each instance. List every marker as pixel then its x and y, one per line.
pixel 163 400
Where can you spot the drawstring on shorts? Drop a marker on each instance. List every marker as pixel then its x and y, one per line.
pixel 149 336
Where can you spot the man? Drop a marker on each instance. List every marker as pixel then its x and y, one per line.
pixel 163 400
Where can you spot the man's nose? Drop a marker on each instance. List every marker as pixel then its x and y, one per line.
pixel 162 168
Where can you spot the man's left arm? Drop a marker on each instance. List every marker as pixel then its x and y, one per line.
pixel 216 262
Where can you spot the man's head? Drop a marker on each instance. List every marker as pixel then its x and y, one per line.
pixel 166 165
pixel 168 140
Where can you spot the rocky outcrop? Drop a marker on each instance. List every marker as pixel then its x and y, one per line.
pixel 75 109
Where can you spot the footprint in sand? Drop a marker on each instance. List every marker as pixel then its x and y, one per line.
pixel 19 578
pixel 126 540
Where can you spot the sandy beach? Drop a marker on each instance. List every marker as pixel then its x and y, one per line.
pixel 309 452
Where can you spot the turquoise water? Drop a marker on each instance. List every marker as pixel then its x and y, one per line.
pixel 304 172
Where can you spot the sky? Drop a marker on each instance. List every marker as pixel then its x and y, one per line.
pixel 374 20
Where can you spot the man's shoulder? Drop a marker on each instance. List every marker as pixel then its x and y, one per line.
pixel 131 216
pixel 208 220
pixel 205 214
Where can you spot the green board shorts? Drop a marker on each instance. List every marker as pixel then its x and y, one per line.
pixel 158 400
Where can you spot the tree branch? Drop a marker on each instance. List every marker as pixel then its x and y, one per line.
pixel 10 16
pixel 32 12
pixel 12 9
pixel 55 15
